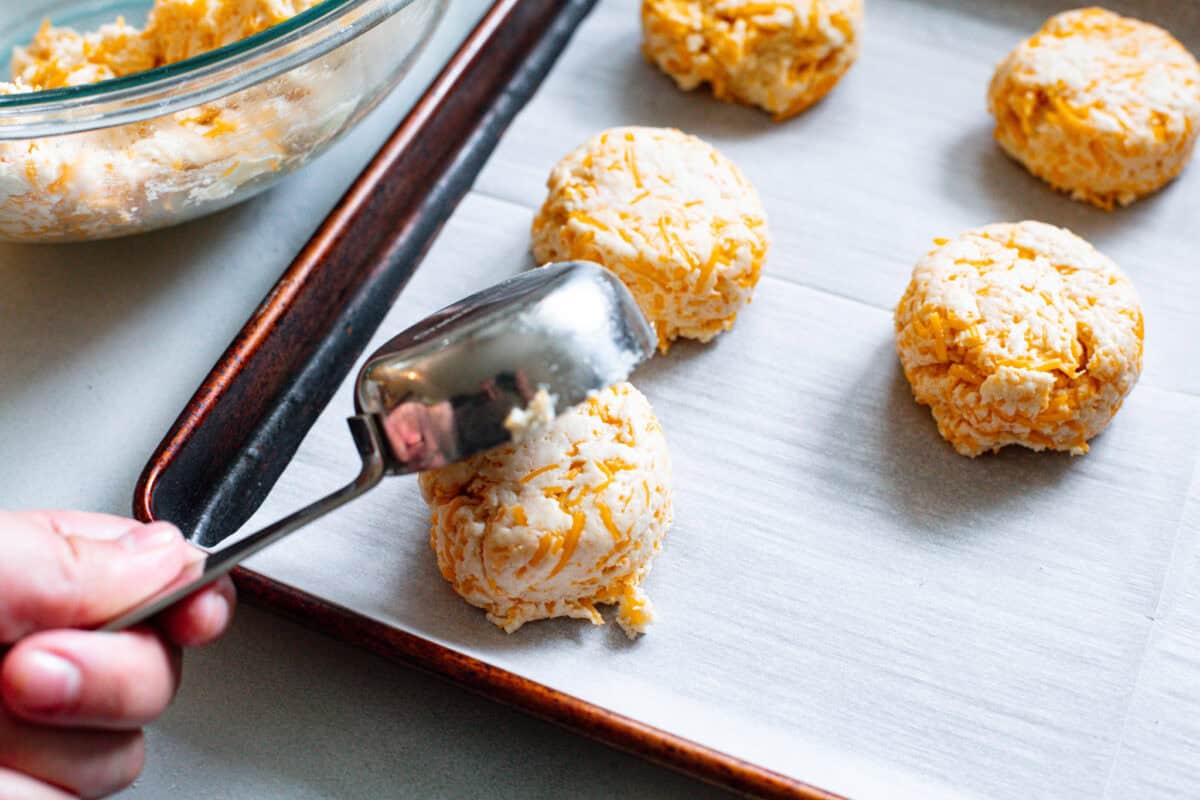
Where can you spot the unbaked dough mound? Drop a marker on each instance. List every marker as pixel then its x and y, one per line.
pixel 569 518
pixel 1101 106
pixel 672 217
pixel 781 56
pixel 1019 334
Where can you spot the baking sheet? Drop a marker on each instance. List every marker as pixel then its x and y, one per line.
pixel 842 598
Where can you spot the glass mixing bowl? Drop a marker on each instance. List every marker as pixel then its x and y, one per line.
pixel 160 147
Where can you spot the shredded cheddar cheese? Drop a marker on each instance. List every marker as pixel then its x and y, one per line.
pixel 566 519
pixel 1101 106
pixel 672 217
pixel 781 56
pixel 1019 334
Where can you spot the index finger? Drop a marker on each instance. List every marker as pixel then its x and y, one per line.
pixel 88 524
pixel 53 579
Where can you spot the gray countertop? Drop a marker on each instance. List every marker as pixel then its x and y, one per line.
pixel 100 347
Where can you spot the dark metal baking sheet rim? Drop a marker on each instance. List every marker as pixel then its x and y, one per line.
pixel 243 425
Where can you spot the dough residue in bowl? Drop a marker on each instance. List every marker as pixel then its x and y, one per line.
pixel 143 175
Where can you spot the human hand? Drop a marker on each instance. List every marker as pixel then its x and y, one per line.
pixel 72 702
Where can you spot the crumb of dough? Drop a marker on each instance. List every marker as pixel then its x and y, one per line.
pixel 781 56
pixel 532 420
pixel 143 175
pixel 568 519
pixel 672 217
pixel 1103 107
pixel 1019 334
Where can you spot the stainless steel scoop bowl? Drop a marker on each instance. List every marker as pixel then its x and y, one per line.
pixel 442 390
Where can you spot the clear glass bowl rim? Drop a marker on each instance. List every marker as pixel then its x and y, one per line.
pixel 200 79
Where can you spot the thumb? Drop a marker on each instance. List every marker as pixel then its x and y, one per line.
pixel 53 576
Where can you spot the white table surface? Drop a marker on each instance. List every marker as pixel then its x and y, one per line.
pixel 100 347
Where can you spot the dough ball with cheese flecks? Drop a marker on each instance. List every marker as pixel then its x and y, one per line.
pixel 1101 106
pixel 1019 334
pixel 567 519
pixel 672 217
pixel 782 56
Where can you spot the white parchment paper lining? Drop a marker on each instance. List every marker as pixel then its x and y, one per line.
pixel 843 599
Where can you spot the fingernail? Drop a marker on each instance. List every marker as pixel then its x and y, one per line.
pixel 154 536
pixel 216 611
pixel 47 682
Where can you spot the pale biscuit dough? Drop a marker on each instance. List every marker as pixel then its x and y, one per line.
pixel 672 217
pixel 1103 107
pixel 521 423
pixel 781 56
pixel 569 518
pixel 1019 334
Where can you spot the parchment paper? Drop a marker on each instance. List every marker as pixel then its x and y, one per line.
pixel 843 598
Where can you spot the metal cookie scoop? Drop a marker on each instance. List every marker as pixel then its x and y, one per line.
pixel 442 390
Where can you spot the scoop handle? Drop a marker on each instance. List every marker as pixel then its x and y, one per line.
pixel 200 574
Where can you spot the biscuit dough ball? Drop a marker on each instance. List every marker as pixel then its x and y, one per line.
pixel 781 56
pixel 569 518
pixel 1104 107
pixel 672 217
pixel 1019 334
